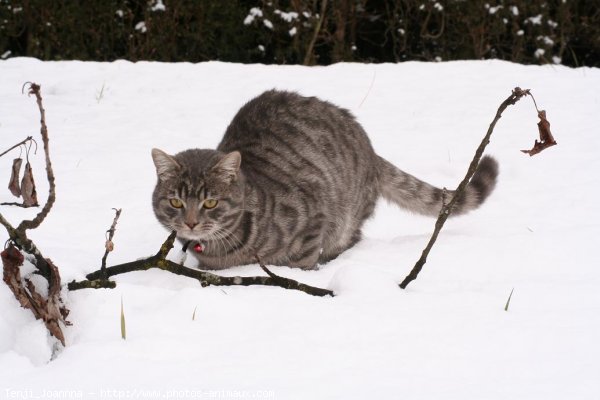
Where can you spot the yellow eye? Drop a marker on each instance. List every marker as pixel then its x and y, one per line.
pixel 176 203
pixel 210 203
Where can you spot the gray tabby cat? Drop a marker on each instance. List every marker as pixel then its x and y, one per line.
pixel 293 180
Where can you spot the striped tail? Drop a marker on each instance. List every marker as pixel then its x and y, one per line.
pixel 420 197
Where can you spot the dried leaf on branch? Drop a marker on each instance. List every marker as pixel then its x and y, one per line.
pixel 546 141
pixel 546 138
pixel 28 187
pixel 50 309
pixel 13 184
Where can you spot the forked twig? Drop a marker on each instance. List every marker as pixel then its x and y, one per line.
pixel 96 279
pixel 27 139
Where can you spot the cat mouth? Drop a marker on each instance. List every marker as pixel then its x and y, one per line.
pixel 196 233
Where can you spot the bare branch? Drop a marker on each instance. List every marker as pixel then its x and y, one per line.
pixel 50 309
pixel 28 138
pixel 18 235
pixel 292 284
pixel 34 89
pixel 309 51
pixel 95 284
pixel 264 268
pixel 446 210
pixel 205 278
pixel 109 243
pixel 19 205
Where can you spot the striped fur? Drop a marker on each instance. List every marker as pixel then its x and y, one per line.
pixel 308 180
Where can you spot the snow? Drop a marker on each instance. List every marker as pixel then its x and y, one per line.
pixel 539 53
pixel 536 20
pixel 141 27
pixel 494 10
pixel 158 6
pixel 547 41
pixel 254 13
pixel 289 17
pixel 446 336
pixel 268 24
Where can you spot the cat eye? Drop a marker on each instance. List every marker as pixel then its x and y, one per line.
pixel 210 203
pixel 176 203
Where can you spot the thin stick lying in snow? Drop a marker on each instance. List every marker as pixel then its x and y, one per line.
pixel 94 280
pixel 292 284
pixel 446 210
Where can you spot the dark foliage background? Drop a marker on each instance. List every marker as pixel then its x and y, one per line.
pixel 299 32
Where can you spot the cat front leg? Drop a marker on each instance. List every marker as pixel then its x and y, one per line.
pixel 308 259
pixel 308 248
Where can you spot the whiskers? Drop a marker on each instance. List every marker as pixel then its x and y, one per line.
pixel 224 241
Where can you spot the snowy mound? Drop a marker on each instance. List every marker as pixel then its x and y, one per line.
pixel 446 336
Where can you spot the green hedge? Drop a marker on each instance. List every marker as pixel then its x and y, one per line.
pixel 298 31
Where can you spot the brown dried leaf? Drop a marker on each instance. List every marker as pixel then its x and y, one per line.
pixel 51 309
pixel 28 187
pixel 13 184
pixel 546 138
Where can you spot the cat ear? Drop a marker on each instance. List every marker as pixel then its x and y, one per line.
pixel 227 168
pixel 166 166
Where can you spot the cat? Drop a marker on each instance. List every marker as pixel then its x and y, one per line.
pixel 292 181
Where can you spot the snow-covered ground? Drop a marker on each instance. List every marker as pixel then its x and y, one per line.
pixel 446 337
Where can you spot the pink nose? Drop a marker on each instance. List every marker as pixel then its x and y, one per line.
pixel 191 225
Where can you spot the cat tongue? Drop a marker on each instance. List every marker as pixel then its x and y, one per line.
pixel 198 248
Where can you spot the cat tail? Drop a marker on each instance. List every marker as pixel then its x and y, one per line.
pixel 420 197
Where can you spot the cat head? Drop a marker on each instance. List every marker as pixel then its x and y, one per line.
pixel 199 193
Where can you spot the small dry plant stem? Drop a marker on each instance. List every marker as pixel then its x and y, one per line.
pixel 446 210
pixel 108 247
pixel 509 298
pixel 21 143
pixel 34 223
